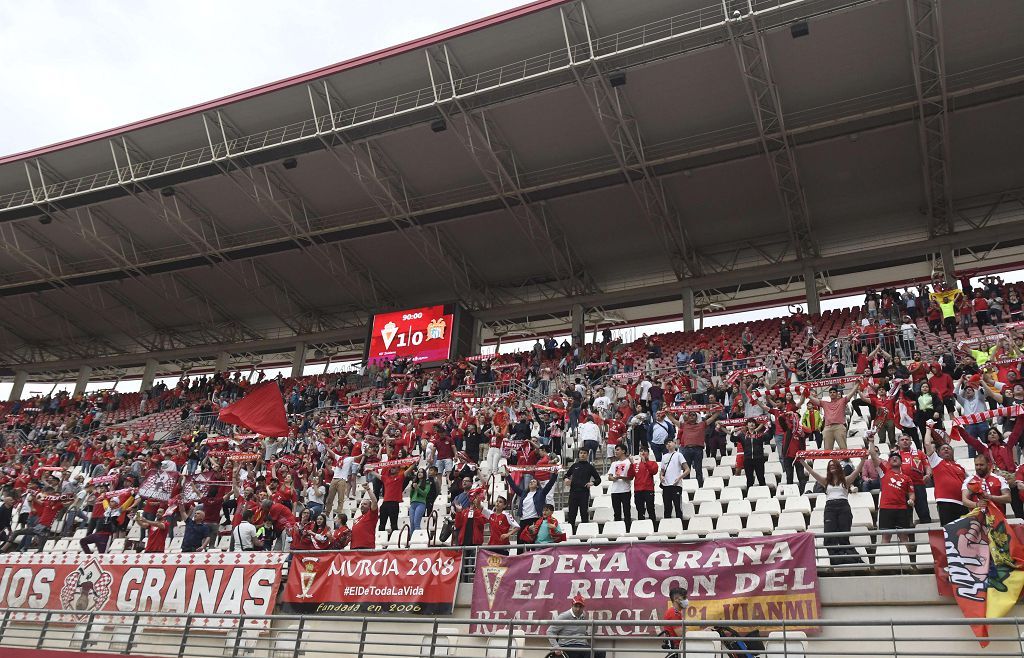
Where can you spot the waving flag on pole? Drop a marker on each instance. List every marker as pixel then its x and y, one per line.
pixel 261 411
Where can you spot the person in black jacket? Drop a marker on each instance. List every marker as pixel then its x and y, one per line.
pixel 753 438
pixel 580 476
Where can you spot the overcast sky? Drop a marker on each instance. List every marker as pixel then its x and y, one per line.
pixel 73 68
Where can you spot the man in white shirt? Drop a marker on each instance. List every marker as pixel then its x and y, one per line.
pixel 673 471
pixel 620 474
pixel 644 388
pixel 662 430
pixel 589 435
pixel 244 535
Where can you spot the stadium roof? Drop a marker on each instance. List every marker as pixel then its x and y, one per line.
pixel 600 153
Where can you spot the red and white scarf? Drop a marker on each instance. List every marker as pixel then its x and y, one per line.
pixel 392 463
pixel 533 469
pixel 736 374
pixel 694 408
pixel 740 422
pixel 832 454
pixel 982 416
pixel 973 342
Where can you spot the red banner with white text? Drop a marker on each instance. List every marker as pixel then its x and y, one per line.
pixel 118 583
pixel 377 582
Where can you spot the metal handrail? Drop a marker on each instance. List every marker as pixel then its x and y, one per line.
pixel 278 636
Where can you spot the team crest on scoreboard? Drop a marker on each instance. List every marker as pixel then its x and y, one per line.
pixel 436 327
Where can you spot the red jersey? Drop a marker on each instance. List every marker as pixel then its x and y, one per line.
pixel 156 537
pixel 993 485
pixel 364 530
pixel 913 466
pixel 691 434
pixel 948 477
pixel 499 525
pixel 643 475
pixel 616 428
pixel 896 488
pixel 394 483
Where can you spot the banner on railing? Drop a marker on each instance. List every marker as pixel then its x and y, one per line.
pixel 420 582
pixel 770 578
pixel 119 583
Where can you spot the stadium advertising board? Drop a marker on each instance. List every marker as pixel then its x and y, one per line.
pixel 196 583
pixel 421 582
pixel 422 334
pixel 769 578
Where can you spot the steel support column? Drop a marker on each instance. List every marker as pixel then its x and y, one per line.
pixel 948 265
pixel 148 374
pixel 579 326
pixel 925 23
pixel 84 373
pixel 221 364
pixel 763 94
pixel 811 289
pixel 689 313
pixel 20 378
pixel 299 360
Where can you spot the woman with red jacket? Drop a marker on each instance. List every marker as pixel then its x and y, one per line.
pixel 469 525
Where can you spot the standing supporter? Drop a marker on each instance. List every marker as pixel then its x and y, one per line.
pixel 419 491
pixel 469 524
pixel 985 487
pixel 364 529
pixel 545 530
pixel 394 480
pixel 660 431
pixel 971 401
pixel 620 474
pixel 580 477
pixel 531 500
pixel 156 531
pixel 915 465
pixel 674 470
pixel 243 537
pixel 643 471
pixel 197 534
pixel 834 410
pixel 793 441
pixel 690 434
pixel 589 436
pixel 501 524
pixel 897 497
pixel 753 438
pixel 838 515
pixel 948 478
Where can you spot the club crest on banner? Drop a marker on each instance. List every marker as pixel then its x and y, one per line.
pixel 492 575
pixel 86 589
pixel 307 576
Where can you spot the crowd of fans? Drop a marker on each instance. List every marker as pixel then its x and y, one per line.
pixel 492 451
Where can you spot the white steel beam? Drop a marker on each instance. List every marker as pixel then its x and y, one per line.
pixel 622 133
pixel 747 37
pixel 925 24
pixel 387 189
pixel 492 155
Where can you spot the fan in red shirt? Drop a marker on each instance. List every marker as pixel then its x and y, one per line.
pixel 501 524
pixel 156 535
pixel 897 496
pixel 364 529
pixel 985 487
pixel 948 477
pixel 643 471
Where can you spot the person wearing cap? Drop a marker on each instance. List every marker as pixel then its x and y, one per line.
pixel 572 640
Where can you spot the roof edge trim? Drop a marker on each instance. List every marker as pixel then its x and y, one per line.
pixel 302 78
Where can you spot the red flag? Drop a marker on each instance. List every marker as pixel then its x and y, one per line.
pixel 261 411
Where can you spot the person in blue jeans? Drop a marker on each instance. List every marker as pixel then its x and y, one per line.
pixel 419 491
